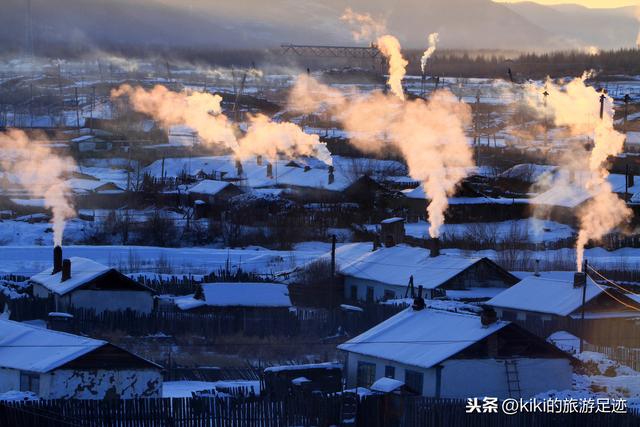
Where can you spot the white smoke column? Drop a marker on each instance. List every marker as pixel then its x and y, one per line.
pixel 429 134
pixel 365 26
pixel 203 113
pixel 433 41
pixel 576 106
pixel 41 172
pixel 390 48
pixel 638 18
pixel 199 111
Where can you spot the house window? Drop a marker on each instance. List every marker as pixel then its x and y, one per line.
pixel 390 371
pixel 30 382
pixel 366 374
pixel 369 293
pixel 413 380
pixel 354 292
pixel 389 295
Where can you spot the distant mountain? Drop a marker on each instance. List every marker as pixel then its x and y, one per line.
pixel 576 26
pixel 259 23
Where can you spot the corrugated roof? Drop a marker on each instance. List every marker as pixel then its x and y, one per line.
pixel 545 295
pixel 30 348
pixel 421 338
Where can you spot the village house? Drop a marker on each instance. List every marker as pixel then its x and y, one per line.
pixel 208 196
pixel 386 272
pixel 82 283
pixel 444 354
pixel 58 365
pixel 557 300
pixel 244 297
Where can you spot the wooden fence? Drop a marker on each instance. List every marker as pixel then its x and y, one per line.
pixel 309 410
pixel 624 355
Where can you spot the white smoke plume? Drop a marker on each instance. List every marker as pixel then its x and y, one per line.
pixel 433 42
pixel 390 48
pixel 638 18
pixel 365 27
pixel 576 107
pixel 41 172
pixel 430 134
pixel 203 113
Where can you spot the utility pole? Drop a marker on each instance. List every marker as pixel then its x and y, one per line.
pixel 585 265
pixel 77 110
pixel 602 98
pixel 627 99
pixel 546 124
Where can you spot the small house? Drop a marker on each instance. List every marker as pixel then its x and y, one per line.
pixel 385 273
pixel 58 365
pixel 322 377
pixel 82 283
pixel 90 143
pixel 444 354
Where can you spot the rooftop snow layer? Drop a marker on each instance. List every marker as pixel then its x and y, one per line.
pixel 386 385
pixel 324 365
pixel 30 348
pixel 83 270
pixel 421 338
pixel 209 187
pixel 238 295
pixel 396 264
pixel 545 295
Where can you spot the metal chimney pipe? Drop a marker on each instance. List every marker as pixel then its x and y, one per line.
pixel 66 270
pixel 57 259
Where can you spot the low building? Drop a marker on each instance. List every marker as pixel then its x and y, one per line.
pixel 557 294
pixel 453 355
pixel 386 272
pixel 90 143
pixel 58 365
pixel 82 283
pixel 245 297
pixel 321 377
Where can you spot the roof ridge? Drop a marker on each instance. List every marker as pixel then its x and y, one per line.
pixel 53 331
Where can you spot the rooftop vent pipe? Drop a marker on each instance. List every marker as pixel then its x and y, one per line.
pixel 579 279
pixel 418 302
pixel 66 270
pixel 57 260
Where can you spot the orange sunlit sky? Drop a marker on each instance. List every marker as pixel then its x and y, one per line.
pixel 588 3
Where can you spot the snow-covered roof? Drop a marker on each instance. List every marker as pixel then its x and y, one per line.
pixel 238 295
pixel 209 187
pixel 391 220
pixel 30 348
pixel 528 172
pixel 545 295
pixel 564 196
pixel 396 264
pixel 421 338
pixel 314 178
pixel 323 365
pixel 83 270
pixel 386 385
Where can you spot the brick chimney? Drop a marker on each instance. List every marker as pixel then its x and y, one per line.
pixel 579 279
pixel 488 316
pixel 66 270
pixel 259 160
pixel 434 250
pixel 238 167
pixel 57 260
pixel 418 302
pixel 269 170
pixel 332 177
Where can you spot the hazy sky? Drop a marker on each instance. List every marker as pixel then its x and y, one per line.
pixel 588 3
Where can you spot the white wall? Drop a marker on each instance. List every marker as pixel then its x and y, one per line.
pixel 476 377
pixel 40 291
pixel 98 384
pixel 378 288
pixel 488 377
pixel 9 379
pixel 100 301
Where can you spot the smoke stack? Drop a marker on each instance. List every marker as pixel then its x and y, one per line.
pixel 418 302
pixel 537 268
pixel 239 167
pixel 332 178
pixel 57 259
pixel 376 243
pixel 259 159
pixel 269 170
pixel 630 180
pixel 66 270
pixel 435 247
pixel 579 279
pixel 488 316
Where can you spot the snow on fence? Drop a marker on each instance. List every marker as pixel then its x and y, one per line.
pixel 624 355
pixel 299 410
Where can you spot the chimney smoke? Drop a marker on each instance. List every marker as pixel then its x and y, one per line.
pixel 66 270
pixel 57 259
